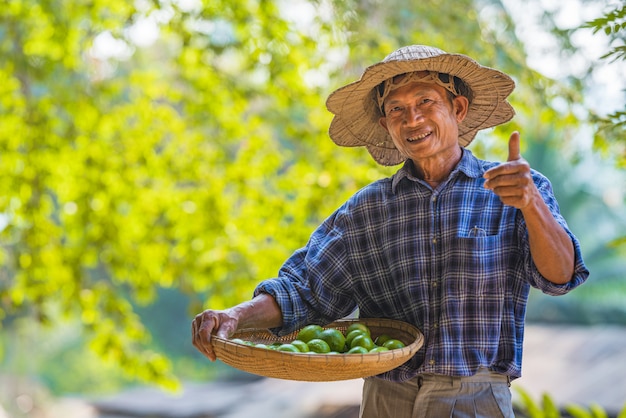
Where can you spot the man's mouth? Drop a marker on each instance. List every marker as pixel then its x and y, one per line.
pixel 418 137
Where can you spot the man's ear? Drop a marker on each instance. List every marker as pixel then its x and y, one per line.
pixel 383 122
pixel 460 106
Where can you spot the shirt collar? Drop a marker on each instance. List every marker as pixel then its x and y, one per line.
pixel 469 165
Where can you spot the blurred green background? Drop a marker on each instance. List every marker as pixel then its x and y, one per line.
pixel 158 157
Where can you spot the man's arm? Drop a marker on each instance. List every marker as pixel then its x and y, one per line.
pixel 260 312
pixel 551 247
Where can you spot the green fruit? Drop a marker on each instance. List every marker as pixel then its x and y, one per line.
pixel 350 335
pixel 309 333
pixel 300 345
pixel 358 326
pixel 289 348
pixel 393 344
pixel 363 341
pixel 381 339
pixel 318 346
pixel 334 338
pixel 358 350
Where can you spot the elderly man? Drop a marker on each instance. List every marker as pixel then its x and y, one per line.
pixel 449 243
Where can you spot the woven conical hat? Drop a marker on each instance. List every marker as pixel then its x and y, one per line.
pixel 357 113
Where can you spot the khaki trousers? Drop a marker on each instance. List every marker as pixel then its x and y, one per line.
pixel 484 395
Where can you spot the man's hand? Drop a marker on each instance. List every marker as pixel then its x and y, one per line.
pixel 550 246
pixel 260 312
pixel 512 180
pixel 207 323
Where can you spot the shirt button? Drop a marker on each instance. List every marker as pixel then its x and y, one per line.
pixel 431 362
pixel 434 240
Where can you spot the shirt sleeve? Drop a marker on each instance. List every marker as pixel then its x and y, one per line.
pixel 313 285
pixel 534 277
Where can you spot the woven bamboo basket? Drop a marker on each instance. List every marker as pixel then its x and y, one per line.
pixel 318 367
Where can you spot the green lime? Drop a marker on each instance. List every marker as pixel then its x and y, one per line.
pixel 393 344
pixel 358 350
pixel 318 346
pixel 350 336
pixel 288 347
pixel 378 349
pixel 300 345
pixel 363 341
pixel 335 339
pixel 381 339
pixel 358 325
pixel 309 332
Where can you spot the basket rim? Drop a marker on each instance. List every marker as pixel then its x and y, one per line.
pixel 294 366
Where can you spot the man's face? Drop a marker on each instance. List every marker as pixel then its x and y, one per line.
pixel 422 120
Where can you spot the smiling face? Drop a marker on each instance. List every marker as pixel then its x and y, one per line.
pixel 422 119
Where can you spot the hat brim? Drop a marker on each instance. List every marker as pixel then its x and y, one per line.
pixel 356 120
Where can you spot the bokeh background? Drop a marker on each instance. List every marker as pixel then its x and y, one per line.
pixel 159 157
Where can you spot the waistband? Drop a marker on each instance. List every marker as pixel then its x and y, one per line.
pixel 483 375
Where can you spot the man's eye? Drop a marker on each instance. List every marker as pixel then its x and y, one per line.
pixel 395 109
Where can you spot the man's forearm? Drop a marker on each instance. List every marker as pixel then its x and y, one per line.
pixel 260 312
pixel 550 246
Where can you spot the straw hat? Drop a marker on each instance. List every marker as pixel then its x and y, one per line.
pixel 356 110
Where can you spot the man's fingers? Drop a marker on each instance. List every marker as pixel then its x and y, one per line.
pixel 201 327
pixel 513 165
pixel 514 152
pixel 511 180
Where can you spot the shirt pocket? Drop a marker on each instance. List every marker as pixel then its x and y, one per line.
pixel 478 265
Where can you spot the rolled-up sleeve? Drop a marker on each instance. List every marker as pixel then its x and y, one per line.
pixel 313 284
pixel 581 273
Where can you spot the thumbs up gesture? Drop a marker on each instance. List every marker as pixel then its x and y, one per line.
pixel 514 153
pixel 512 180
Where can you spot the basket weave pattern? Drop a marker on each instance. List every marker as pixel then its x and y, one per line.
pixel 318 367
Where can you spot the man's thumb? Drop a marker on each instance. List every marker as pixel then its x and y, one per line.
pixel 514 153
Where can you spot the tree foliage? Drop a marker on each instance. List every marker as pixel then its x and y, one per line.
pixel 183 144
pixel 597 196
pixel 613 24
pixel 610 130
pixel 155 167
pixel 610 135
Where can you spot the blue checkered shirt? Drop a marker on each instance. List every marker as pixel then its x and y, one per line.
pixel 455 262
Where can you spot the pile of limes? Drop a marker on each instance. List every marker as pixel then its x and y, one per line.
pixel 314 339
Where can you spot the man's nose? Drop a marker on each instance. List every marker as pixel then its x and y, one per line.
pixel 413 115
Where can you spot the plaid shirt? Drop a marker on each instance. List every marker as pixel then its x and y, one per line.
pixel 455 262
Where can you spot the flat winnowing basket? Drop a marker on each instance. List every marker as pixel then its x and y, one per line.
pixel 319 367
